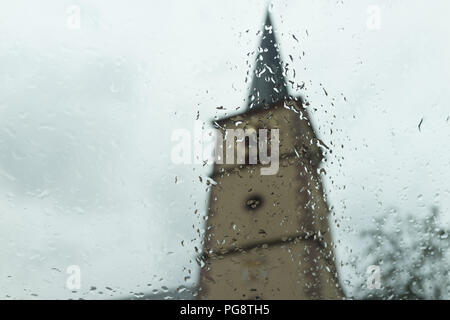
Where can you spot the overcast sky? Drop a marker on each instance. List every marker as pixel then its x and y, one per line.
pixel 87 114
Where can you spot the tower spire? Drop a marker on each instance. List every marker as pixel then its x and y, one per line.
pixel 268 84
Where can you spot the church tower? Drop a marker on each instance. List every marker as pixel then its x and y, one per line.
pixel 268 236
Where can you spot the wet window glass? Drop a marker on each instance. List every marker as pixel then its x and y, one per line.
pixel 224 150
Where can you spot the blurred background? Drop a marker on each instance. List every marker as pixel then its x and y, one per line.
pixel 92 91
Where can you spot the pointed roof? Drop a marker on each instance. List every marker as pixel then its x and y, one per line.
pixel 268 84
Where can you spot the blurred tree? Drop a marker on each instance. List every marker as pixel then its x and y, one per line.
pixel 412 254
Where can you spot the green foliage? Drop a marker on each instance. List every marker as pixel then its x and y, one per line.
pixel 412 254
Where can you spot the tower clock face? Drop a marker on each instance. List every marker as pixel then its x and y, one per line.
pixel 254 202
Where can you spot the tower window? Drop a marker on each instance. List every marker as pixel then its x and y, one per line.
pixel 253 203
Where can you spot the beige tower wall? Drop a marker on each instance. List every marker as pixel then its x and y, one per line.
pixel 291 270
pixel 267 236
pixel 248 208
